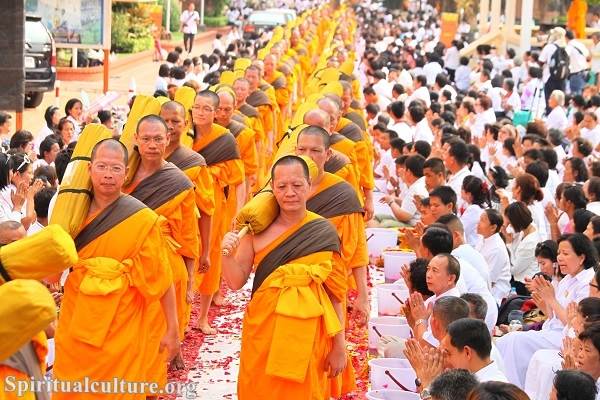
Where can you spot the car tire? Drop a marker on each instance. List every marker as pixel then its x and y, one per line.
pixel 33 99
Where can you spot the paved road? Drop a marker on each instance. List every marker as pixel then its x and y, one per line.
pixel 144 73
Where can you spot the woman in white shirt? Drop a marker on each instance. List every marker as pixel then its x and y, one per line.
pixel 16 191
pixel 66 131
pixel 52 118
pixel 523 245
pixel 49 148
pixel 576 260
pixel 476 196
pixel 74 111
pixel 495 252
pixel 557 118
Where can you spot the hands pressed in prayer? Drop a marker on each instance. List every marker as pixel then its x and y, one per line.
pixel 417 307
pixel 544 289
pixel 551 213
pixel 19 196
pixel 415 355
pixel 569 353
pixel 405 273
pixel 433 366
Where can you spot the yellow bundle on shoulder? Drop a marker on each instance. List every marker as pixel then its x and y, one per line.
pixel 75 193
pixel 186 96
pixel 27 308
pixel 43 254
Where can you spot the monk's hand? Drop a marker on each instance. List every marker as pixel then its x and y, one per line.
pixel 230 243
pixel 336 360
pixel 369 209
pixel 203 264
pixel 361 309
pixel 170 344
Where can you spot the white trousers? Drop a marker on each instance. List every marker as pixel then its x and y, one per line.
pixel 540 374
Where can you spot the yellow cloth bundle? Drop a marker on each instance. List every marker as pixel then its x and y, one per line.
pixel 75 194
pixel 186 96
pixel 27 308
pixel 45 253
pixel 142 106
pixel 287 145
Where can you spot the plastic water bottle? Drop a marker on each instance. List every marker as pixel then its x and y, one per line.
pixel 513 292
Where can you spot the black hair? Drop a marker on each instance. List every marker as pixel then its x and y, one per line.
pixel 41 201
pixel 446 194
pixel 48 114
pixel 397 109
pixel 152 118
pixel 589 309
pixel 575 194
pixel 453 384
pixel 582 145
pixel 550 157
pixel 418 272
pixel 478 191
pixel 582 246
pixel 574 385
pixel 473 333
pixel 518 215
pixel 208 94
pixel 414 164
pixel 547 249
pixel 397 143
pixel 60 163
pixel 459 151
pixel 509 144
pixel 291 160
pixel 46 145
pixel 499 177
pixel 422 147
pixel 436 165
pixel 581 219
pixel 594 188
pixel 495 218
pixel 20 139
pixel 417 113
pixel 70 104
pixel 539 169
pixel 449 309
pixel 164 71
pixel 437 239
pixel 579 169
pixel 477 305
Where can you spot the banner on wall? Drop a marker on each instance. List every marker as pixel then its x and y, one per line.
pixel 75 23
pixel 449 28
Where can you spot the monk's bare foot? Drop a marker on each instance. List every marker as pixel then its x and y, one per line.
pixel 205 328
pixel 218 299
pixel 177 364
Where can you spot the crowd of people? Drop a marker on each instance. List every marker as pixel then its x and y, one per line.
pixel 348 118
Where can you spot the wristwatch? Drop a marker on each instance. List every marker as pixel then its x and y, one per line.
pixel 420 321
pixel 425 395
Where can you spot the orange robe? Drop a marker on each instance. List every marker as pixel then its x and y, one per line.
pixel 14 376
pixel 363 154
pixel 347 218
pixel 227 172
pixel 289 323
pixel 104 329
pixel 247 146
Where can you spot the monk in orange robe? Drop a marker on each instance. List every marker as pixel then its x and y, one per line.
pixel 266 108
pixel 279 82
pixel 104 328
pixel 219 148
pixel 243 136
pixel 292 337
pixel 164 188
pixel 334 199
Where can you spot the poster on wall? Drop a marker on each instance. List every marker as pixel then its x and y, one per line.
pixel 78 23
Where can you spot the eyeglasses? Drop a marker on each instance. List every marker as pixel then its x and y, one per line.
pixel 594 286
pixel 115 169
pixel 149 139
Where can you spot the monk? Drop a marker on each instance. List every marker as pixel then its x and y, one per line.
pixel 278 80
pixel 363 164
pixel 243 135
pixel 292 337
pixel 241 87
pixel 103 330
pixel 350 108
pixel 219 148
pixel 334 199
pixel 267 110
pixel 164 188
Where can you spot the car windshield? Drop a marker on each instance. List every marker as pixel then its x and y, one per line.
pixel 35 32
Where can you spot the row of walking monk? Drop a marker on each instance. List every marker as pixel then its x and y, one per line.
pixel 161 226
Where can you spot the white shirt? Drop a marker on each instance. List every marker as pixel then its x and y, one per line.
pixel 475 258
pixel 545 57
pixel 190 21
pixel 470 281
pixel 383 88
pixel 161 84
pixel 403 130
pixel 452 58
pixel 405 79
pixel 43 134
pixel 423 131
pixel 593 135
pixel 494 250
pixel 6 206
pixel 594 207
pixel 486 117
pixel 455 181
pixel 515 102
pixel 570 289
pixel 431 70
pixel 470 219
pixel 490 372
pixel 421 93
pixel 596 58
pixel 523 256
pixel 34 228
pixel 462 78
pixel 408 202
pixel 578 54
pixel 557 119
pixel 533 98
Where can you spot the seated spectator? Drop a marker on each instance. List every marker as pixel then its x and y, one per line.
pixel 42 202
pixel 573 385
pixel 497 391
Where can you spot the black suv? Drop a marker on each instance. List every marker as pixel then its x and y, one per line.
pixel 40 61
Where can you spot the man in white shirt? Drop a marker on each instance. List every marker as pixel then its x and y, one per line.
pixel 432 68
pixel 485 115
pixel 407 211
pixel 511 102
pixel 41 204
pixel 456 155
pixel 556 40
pixel 399 126
pixel 591 188
pixel 381 86
pixel 468 345
pixel 557 118
pixel 189 25
pixel 371 97
pixel 578 63
pixel 421 128
pixel 421 91
pixel 590 129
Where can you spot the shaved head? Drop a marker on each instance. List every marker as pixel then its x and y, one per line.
pixel 173 106
pixel 112 145
pixel 11 231
pixel 318 118
pixel 316 131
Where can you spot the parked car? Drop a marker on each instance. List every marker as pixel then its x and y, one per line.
pixel 40 61
pixel 260 21
pixel 289 14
